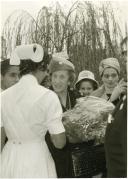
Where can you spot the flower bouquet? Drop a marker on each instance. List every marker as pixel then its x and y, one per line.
pixel 87 120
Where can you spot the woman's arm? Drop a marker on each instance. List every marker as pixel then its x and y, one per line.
pixel 3 138
pixel 58 140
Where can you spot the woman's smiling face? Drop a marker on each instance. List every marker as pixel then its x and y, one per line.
pixel 110 77
pixel 60 80
pixel 86 88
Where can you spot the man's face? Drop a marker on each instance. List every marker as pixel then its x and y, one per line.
pixel 10 78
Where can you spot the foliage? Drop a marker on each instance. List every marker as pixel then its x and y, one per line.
pixel 88 32
pixel 87 120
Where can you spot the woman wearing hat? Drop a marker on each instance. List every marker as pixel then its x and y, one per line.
pixel 86 83
pixel 28 112
pixel 111 89
pixel 62 73
pixel 86 155
pixel 62 76
pixel 116 134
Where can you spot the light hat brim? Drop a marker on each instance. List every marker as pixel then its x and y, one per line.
pixel 85 78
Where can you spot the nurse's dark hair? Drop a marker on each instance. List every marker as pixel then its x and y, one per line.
pixel 72 76
pixel 27 66
pixel 4 64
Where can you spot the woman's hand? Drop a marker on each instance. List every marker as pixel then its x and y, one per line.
pixel 58 140
pixel 121 88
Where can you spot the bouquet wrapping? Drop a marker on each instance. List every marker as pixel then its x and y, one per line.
pixel 87 120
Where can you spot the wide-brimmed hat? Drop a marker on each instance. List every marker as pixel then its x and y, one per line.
pixel 60 62
pixel 32 52
pixel 109 63
pixel 86 75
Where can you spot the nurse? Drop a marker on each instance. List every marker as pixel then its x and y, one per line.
pixel 28 112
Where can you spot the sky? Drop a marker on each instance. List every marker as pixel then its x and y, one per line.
pixel 33 7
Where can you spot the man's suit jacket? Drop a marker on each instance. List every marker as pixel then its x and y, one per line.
pixel 116 141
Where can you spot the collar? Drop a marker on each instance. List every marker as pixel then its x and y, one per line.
pixel 29 79
pixel 1 90
pixel 108 90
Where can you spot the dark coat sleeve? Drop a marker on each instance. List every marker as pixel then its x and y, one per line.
pixel 116 143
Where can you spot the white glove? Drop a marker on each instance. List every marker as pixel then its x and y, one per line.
pixel 121 88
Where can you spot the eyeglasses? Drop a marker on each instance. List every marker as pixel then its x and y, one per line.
pixel 114 75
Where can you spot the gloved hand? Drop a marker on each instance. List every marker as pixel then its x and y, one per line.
pixel 121 88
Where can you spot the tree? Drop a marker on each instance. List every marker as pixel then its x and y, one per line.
pixel 88 32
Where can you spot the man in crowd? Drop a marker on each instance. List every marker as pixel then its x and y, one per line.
pixel 9 77
pixel 116 134
pixel 9 74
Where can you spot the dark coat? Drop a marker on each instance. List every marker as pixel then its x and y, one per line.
pixel 116 142
pixel 62 157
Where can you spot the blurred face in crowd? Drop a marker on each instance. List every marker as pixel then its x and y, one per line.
pixel 110 77
pixel 60 80
pixel 86 88
pixel 10 78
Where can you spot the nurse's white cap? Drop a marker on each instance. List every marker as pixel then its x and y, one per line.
pixel 32 52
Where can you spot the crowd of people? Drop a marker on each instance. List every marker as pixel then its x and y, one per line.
pixel 33 137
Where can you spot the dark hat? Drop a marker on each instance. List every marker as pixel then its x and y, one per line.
pixel 60 62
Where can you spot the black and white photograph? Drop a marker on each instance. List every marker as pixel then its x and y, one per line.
pixel 63 99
